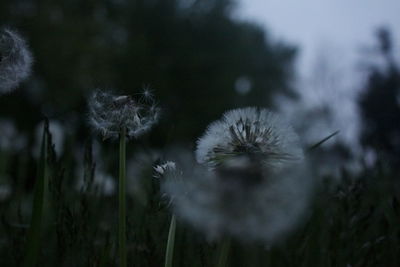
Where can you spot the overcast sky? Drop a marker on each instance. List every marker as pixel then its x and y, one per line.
pixel 344 24
pixel 336 30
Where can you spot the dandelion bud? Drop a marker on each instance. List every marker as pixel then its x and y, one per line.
pixel 109 113
pixel 15 60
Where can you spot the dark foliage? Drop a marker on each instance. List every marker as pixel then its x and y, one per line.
pixel 191 52
pixel 380 105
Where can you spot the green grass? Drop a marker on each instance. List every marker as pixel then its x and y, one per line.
pixel 351 223
pixel 39 198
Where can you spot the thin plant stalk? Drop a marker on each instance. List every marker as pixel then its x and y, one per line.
pixel 224 252
pixel 122 199
pixel 169 252
pixel 34 234
pixel 314 146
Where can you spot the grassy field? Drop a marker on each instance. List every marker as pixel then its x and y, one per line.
pixel 354 222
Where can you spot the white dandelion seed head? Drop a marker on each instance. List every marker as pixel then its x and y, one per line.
pixel 109 113
pixel 249 132
pixel 250 181
pixel 165 167
pixel 267 212
pixel 15 60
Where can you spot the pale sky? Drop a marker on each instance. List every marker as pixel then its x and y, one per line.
pixel 334 31
pixel 345 24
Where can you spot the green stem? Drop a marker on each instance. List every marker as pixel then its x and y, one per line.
pixel 224 252
pixel 34 234
pixel 122 198
pixel 169 253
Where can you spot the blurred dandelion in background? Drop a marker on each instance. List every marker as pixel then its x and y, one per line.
pixel 243 85
pixel 5 192
pixel 140 172
pixel 11 139
pixel 108 113
pixel 15 60
pixel 252 181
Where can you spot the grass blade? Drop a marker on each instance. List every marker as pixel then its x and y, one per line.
pixel 169 253
pixel 34 234
pixel 224 252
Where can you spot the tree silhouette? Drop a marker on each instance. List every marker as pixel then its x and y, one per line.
pixel 380 104
pixel 192 53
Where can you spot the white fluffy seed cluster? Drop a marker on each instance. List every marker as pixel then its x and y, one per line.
pixel 161 169
pixel 108 113
pixel 252 132
pixel 15 60
pixel 252 181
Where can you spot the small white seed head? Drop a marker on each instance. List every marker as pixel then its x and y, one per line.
pixel 15 60
pixel 109 113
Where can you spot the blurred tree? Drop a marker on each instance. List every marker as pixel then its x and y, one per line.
pixel 380 104
pixel 199 59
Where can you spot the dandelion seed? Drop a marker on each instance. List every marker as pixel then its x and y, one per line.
pixel 121 116
pixel 15 60
pixel 252 181
pixel 162 168
pixel 267 212
pixel 148 94
pixel 109 113
pixel 249 132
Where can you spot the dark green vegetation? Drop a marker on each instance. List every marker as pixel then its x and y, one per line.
pixel 380 103
pixel 353 223
pixel 192 55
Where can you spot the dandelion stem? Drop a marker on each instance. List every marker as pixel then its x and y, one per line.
pixel 34 234
pixel 122 198
pixel 169 252
pixel 224 252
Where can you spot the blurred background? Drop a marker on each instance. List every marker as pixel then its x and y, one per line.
pixel 326 66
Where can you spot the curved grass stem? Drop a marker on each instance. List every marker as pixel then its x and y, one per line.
pixel 169 252
pixel 224 252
